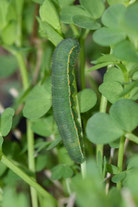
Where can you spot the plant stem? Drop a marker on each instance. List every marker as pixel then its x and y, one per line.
pixel 82 62
pixel 75 30
pixel 23 70
pixel 68 185
pixel 25 177
pixel 103 104
pixel 132 137
pixel 120 158
pixel 99 147
pixel 83 169
pixel 31 161
pixel 30 136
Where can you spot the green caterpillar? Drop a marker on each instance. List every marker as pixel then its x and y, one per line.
pixel 64 98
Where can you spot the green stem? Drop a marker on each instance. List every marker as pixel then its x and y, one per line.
pixel 82 63
pixel 103 106
pixel 132 137
pixel 68 185
pixel 120 158
pixel 25 177
pixel 83 169
pixel 99 150
pixel 30 141
pixel 31 161
pixel 30 135
pixel 75 30
pixel 23 70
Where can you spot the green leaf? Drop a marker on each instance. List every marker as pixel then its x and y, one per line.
pixel 132 162
pixel 119 177
pixel 98 66
pixel 111 2
pixel 101 129
pixel 54 143
pixel 107 58
pixel 130 20
pixel 128 88
pixel 114 74
pixel 113 15
pixel 1 142
pixel 19 7
pixel 47 31
pixel 87 99
pixel 112 169
pixel 63 157
pixel 106 37
pixel 135 76
pixel 38 1
pixel 3 168
pixel 6 121
pixel 115 144
pixel 61 171
pixel 95 8
pixel 85 22
pixel 38 102
pixel 41 162
pixel 8 65
pixel 44 126
pixel 41 145
pixel 49 14
pixel 9 34
pixel 125 51
pixel 131 182
pixel 90 189
pixel 14 199
pixel 111 90
pixel 67 13
pixel 125 113
pixel 65 3
pixel 115 197
pixel 134 94
pixel 4 4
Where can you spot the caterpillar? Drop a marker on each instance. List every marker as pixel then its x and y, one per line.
pixel 64 98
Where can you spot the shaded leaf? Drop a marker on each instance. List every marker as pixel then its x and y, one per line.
pixel 125 51
pixel 111 2
pixel 111 90
pixel 6 121
pixel 95 8
pixel 85 22
pixel 125 113
pixel 61 171
pixel 47 31
pixel 119 177
pixel 38 102
pixel 54 143
pixel 113 15
pixel 87 99
pixel 106 37
pixel 65 3
pixel 68 12
pixel 130 20
pixel 101 129
pixel 98 66
pixel 9 34
pixel 114 74
pixel 8 65
pixel 49 14
pixel 44 126
pixel 4 4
